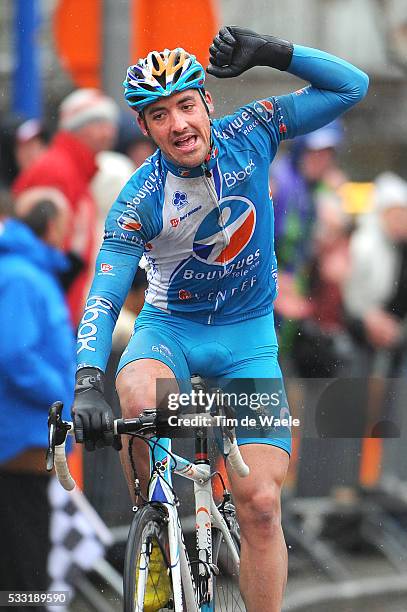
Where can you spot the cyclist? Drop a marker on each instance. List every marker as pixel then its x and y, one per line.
pixel 200 210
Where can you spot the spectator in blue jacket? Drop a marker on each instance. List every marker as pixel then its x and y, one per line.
pixel 36 368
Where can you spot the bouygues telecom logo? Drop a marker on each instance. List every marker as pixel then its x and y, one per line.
pixel 129 221
pixel 265 108
pixel 237 219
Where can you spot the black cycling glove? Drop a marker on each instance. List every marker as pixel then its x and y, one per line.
pixel 235 50
pixel 91 414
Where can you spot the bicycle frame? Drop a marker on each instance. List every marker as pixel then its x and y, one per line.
pixel 207 516
pixel 160 490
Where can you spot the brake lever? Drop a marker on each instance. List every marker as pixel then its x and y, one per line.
pixel 57 432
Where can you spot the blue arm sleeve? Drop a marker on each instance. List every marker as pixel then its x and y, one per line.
pixel 335 87
pixel 113 277
pixel 34 378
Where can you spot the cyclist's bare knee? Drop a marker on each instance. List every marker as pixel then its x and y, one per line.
pixel 259 514
pixel 136 385
pixel 257 497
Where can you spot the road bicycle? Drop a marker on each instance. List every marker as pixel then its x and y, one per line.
pixel 208 580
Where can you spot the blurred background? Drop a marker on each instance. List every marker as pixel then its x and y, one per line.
pixel 340 197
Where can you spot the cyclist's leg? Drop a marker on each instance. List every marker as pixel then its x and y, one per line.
pixel 263 569
pixel 152 354
pixel 263 572
pixel 136 385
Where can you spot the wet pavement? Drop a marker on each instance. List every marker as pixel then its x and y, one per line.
pixel 378 586
pixel 307 586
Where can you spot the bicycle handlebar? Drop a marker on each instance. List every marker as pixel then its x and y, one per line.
pixel 58 430
pixel 236 460
pixel 61 466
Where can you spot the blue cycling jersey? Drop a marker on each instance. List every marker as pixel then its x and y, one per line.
pixel 207 232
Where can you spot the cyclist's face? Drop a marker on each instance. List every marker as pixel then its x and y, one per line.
pixel 179 125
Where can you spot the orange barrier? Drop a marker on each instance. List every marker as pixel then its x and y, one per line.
pixel 78 39
pixel 154 24
pixel 159 24
pixel 371 462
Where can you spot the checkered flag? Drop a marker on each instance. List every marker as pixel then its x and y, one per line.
pixel 78 538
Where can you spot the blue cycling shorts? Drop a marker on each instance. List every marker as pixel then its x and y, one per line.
pixel 244 350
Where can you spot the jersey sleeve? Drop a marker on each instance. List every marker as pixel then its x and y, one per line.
pixel 133 220
pixel 335 86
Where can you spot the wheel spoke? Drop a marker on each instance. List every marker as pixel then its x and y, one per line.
pixel 226 592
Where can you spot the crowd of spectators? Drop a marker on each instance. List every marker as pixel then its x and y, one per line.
pixel 55 193
pixel 342 284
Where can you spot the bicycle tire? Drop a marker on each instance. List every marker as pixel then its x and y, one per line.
pixel 226 592
pixel 147 529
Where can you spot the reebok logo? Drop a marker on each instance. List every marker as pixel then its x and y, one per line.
pixel 95 307
pixel 232 178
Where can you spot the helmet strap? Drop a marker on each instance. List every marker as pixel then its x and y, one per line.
pixel 201 92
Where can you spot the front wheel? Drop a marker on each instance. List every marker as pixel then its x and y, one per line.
pixel 147 585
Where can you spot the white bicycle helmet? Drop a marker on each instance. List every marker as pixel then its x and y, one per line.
pixel 161 74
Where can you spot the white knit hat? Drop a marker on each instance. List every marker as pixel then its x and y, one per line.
pixel 84 105
pixel 390 190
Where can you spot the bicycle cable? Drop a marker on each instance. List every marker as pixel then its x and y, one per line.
pixel 152 446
